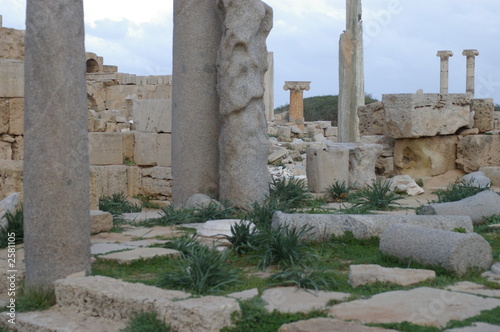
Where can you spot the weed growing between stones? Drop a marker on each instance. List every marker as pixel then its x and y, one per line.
pixel 35 299
pixel 145 322
pixel 407 327
pixel 304 277
pixel 184 244
pixel 486 316
pixel 289 194
pixel 377 196
pixel 338 191
pixel 117 204
pixel 458 191
pixel 146 202
pixel 173 216
pixel 244 237
pixel 14 225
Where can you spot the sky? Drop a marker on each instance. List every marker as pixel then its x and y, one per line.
pixel 401 39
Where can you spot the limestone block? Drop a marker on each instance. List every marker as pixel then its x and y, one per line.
pixel 146 149
pixel 284 131
pixel 372 119
pixel 128 140
pixel 387 143
pixel 156 181
pixel 493 173
pixel 4 115
pixel 220 228
pixel 11 43
pixel 476 151
pixel 327 324
pixel 417 115
pixel 5 151
pixel 107 180
pixel 456 252
pixel 152 115
pixel 133 181
pixel 164 148
pixel 363 274
pixel 483 110
pixel 201 200
pixel 478 207
pixel 105 148
pixel 331 131
pixel 365 226
pixel 426 156
pixel 18 148
pixel 16 116
pixel 362 161
pixel 100 221
pixel 277 155
pixel 11 177
pixel 325 167
pixel 12 74
pixel 405 184
pixel 385 166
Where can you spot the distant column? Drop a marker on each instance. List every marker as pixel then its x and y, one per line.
pixel 56 164
pixel 351 75
pixel 444 55
pixel 195 103
pixel 471 63
pixel 297 100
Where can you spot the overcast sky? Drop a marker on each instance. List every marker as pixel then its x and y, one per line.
pixel 401 40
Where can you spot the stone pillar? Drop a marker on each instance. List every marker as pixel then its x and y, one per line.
pixel 242 63
pixel 269 87
pixel 297 100
pixel 471 63
pixel 444 55
pixel 56 164
pixel 195 103
pixel 351 75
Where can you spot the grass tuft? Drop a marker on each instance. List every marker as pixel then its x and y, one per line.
pixel 35 299
pixel 377 196
pixel 458 191
pixel 117 204
pixel 14 225
pixel 338 191
pixel 145 322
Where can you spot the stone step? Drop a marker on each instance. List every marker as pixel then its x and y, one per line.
pixel 57 319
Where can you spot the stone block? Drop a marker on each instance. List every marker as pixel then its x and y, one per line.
pixel 417 115
pixel 426 156
pixel 152 115
pixel 483 110
pixel 5 151
pixel 477 151
pixel 284 131
pixel 331 131
pixel 18 148
pixel 16 116
pixel 477 179
pixel 387 143
pixel 100 221
pixel 164 147
pixel 372 119
pixel 133 181
pixel 105 148
pixel 146 149
pixel 453 251
pixel 493 173
pixel 325 167
pixel 127 257
pixel 478 207
pixel 128 140
pixel 11 177
pixel 4 115
pixel 156 181
pixel 364 226
pixel 107 180
pixel 12 74
pixel 363 274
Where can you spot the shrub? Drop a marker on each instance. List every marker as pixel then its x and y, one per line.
pixel 117 204
pixel 377 196
pixel 458 191
pixel 15 224
pixel 289 194
pixel 244 237
pixel 338 191
pixel 145 322
pixel 261 213
pixel 184 244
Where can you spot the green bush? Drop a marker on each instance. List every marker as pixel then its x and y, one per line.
pixel 117 204
pixel 145 322
pixel 15 224
pixel 377 196
pixel 458 191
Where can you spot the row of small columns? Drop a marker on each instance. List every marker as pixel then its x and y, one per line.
pixel 471 62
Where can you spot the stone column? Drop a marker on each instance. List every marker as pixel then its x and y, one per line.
pixel 351 75
pixel 56 164
pixel 471 63
pixel 269 87
pixel 444 55
pixel 297 100
pixel 242 63
pixel 195 103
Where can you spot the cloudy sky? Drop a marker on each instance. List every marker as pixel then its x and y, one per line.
pixel 401 40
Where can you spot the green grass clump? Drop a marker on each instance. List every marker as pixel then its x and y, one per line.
pixel 14 225
pixel 176 216
pixel 184 244
pixel 458 191
pixel 202 271
pixel 117 204
pixel 304 277
pixel 145 322
pixel 338 191
pixel 35 299
pixel 244 237
pixel 377 196
pixel 289 194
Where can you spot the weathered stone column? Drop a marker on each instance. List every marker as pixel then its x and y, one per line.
pixel 56 164
pixel 297 100
pixel 445 56
pixel 195 103
pixel 242 63
pixel 471 63
pixel 351 75
pixel 269 87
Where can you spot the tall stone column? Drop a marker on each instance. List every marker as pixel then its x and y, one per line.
pixel 269 87
pixel 471 63
pixel 195 103
pixel 445 56
pixel 56 164
pixel 351 74
pixel 297 100
pixel 242 63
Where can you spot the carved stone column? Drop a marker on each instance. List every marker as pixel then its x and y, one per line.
pixel 444 55
pixel 471 63
pixel 297 100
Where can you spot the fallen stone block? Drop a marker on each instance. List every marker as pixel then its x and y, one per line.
pixel 477 179
pixel 456 252
pixel 417 115
pixel 363 274
pixel 404 183
pixel 220 228
pixel 327 324
pixel 478 207
pixel 325 167
pixel 476 151
pixel 100 221
pixel 126 257
pixel 364 226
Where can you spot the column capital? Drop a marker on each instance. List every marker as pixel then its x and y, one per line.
pixel 444 54
pixel 470 53
pixel 297 85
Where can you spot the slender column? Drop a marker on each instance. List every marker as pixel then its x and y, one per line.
pixel 471 63
pixel 297 100
pixel 351 75
pixel 444 55
pixel 195 103
pixel 56 164
pixel 269 87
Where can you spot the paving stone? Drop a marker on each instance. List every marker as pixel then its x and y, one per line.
pixel 473 288
pixel 363 274
pixel 327 324
pixel 218 227
pixel 139 253
pixel 477 327
pixel 293 299
pixel 103 248
pixel 148 233
pixel 244 295
pixel 141 216
pixel 422 306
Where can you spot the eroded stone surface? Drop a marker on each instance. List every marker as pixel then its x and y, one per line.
pixel 128 256
pixel 477 151
pixel 327 324
pixel 325 167
pixel 220 227
pixel 473 288
pixel 100 221
pixel 360 275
